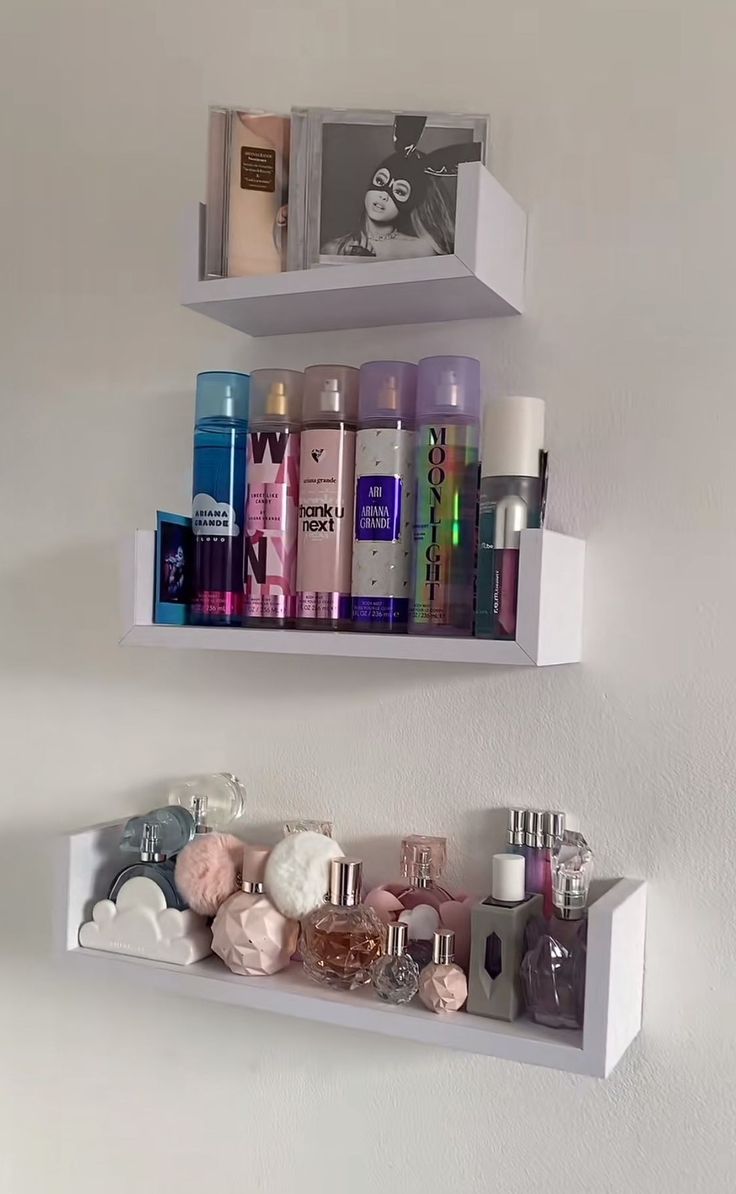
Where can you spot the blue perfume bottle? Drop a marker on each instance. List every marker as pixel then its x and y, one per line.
pixel 152 864
pixel 156 838
pixel 218 498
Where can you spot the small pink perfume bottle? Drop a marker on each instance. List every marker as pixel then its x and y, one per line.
pixel 443 986
pixel 248 933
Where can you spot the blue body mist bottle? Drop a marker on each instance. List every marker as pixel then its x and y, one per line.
pixel 218 502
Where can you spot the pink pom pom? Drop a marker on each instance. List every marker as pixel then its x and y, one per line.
pixel 208 871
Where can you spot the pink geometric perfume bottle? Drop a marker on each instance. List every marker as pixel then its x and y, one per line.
pixel 248 933
pixel 443 986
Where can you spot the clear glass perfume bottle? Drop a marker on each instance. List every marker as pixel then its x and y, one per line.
pixel 553 971
pixel 248 933
pixel 223 795
pixel 423 860
pixel 396 975
pixel 443 986
pixel 342 939
pixel 153 864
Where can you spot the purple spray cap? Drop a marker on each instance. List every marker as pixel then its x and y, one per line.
pixel 448 389
pixel 388 390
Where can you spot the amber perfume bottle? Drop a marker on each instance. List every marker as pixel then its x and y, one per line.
pixel 342 939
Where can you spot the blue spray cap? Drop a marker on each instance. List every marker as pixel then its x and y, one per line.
pixel 222 396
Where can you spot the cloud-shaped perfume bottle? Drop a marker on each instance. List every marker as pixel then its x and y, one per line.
pixel 141 924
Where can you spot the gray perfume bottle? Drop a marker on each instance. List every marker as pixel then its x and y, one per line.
pixel 497 929
pixel 153 864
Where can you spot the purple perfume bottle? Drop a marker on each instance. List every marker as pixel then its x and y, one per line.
pixel 515 831
pixel 553 830
pixel 533 851
pixel 553 971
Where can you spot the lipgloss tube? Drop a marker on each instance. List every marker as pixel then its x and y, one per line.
pixel 510 501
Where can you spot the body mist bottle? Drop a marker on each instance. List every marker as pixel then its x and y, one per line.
pixel 218 504
pixel 510 502
pixel 384 496
pixel 448 425
pixel 326 480
pixel 272 497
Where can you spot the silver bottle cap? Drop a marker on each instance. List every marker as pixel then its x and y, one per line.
pixel 199 812
pixel 443 947
pixel 515 831
pixel 149 844
pixel 396 938
pixel 345 880
pixel 570 893
pixel 553 827
pixel 251 888
pixel 533 835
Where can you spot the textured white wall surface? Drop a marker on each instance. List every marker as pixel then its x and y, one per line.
pixel 613 123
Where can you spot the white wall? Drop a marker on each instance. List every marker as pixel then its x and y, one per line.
pixel 613 123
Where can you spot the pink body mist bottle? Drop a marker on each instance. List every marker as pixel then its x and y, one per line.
pixel 326 488
pixel 272 497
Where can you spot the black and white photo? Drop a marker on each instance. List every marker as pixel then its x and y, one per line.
pixel 382 186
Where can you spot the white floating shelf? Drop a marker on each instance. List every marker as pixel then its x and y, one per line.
pixel 549 619
pixel 483 277
pixel 90 859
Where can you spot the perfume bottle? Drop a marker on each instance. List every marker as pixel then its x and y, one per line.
pixel 515 831
pixel 534 851
pixel 553 971
pixel 442 985
pixel 553 829
pixel 342 939
pixel 248 933
pixel 153 864
pixel 423 860
pixel 497 941
pixel 396 975
pixel 174 829
pixel 223 796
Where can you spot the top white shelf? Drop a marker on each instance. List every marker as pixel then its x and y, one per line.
pixel 484 277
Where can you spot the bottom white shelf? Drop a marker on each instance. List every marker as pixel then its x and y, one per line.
pixel 613 986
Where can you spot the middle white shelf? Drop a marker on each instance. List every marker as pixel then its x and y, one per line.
pixel 549 616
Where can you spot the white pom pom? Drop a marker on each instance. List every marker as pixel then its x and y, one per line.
pixel 298 872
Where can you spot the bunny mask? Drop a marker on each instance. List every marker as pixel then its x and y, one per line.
pixel 404 175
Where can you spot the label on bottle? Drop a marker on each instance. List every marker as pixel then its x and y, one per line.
pixel 384 503
pixel 445 528
pixel 271 524
pixel 326 478
pixel 217 524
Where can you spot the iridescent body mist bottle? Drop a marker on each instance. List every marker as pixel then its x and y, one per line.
pixel 448 426
pixel 218 502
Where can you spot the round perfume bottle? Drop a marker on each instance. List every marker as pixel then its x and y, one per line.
pixel 443 986
pixel 218 799
pixel 423 860
pixel 248 933
pixel 396 975
pixel 342 939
